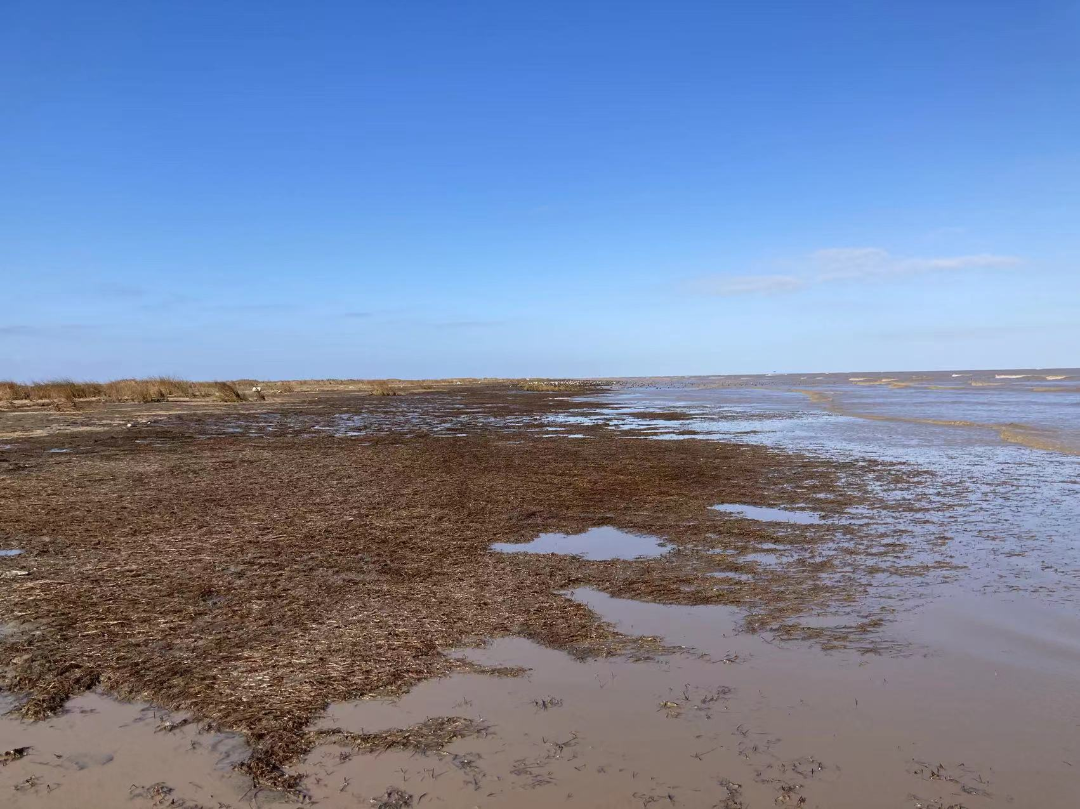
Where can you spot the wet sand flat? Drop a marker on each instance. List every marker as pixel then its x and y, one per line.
pixel 839 730
pixel 342 593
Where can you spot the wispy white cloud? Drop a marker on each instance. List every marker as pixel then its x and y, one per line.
pixel 958 333
pixel 53 330
pixel 843 263
pixel 977 261
pixel 468 324
pixel 747 284
pixel 851 264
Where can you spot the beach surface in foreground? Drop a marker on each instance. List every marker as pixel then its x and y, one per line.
pixel 699 592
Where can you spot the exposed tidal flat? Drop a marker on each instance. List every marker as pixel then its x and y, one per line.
pixel 808 590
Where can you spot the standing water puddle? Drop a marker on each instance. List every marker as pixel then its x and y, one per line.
pixel 11 552
pixel 100 752
pixel 597 544
pixel 769 514
pixel 754 724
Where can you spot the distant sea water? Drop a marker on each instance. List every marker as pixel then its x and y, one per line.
pixel 1002 449
pixel 1036 409
pixel 1039 409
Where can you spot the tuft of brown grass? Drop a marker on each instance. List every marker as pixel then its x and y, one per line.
pixel 380 387
pixel 12 391
pixel 222 391
pixel 154 389
pixel 62 390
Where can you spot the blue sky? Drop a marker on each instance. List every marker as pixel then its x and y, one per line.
pixel 414 189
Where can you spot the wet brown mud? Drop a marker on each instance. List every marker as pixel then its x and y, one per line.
pixel 770 726
pixel 255 565
pixel 101 753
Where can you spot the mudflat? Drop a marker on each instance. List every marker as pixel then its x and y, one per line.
pixel 304 581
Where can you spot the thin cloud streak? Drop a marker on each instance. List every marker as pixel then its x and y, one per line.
pixel 468 324
pixel 60 329
pixel 959 333
pixel 845 263
pixel 748 284
pixel 852 264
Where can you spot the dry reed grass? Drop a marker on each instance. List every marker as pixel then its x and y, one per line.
pixel 154 389
pixel 56 390
pixel 380 387
pixel 151 389
pixel 223 392
pixel 164 388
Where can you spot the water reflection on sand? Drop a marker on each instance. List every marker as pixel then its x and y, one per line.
pixel 600 543
pixel 974 705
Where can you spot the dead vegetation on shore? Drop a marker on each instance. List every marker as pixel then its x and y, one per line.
pixel 68 392
pixel 431 734
pixel 381 387
pixel 564 385
pixel 153 389
pixel 253 579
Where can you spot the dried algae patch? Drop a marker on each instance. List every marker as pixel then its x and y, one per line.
pixel 425 737
pixel 254 578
